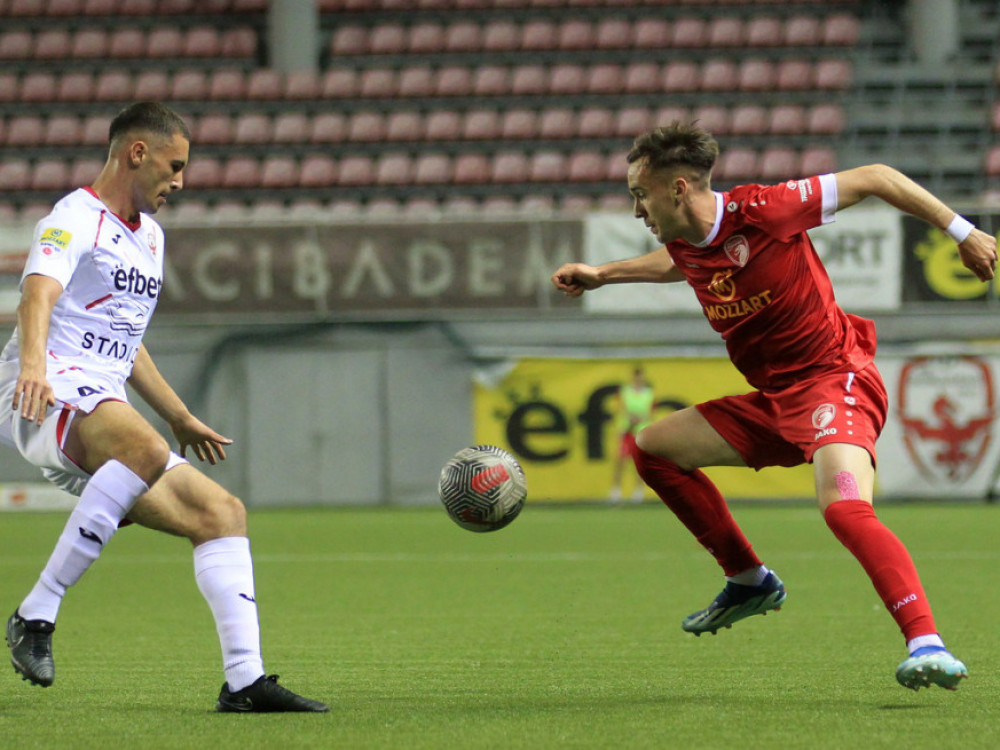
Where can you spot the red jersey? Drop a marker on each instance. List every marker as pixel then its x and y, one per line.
pixel 763 288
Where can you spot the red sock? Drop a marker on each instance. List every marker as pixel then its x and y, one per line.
pixel 886 562
pixel 699 506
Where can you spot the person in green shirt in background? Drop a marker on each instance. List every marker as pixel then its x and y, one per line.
pixel 635 411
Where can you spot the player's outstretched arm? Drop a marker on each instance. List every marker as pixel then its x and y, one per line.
pixel 977 249
pixel 656 267
pixel 208 445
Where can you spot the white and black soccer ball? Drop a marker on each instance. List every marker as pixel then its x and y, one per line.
pixel 483 488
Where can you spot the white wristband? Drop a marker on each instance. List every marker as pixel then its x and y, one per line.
pixel 959 229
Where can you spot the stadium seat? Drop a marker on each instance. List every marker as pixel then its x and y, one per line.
pixel 84 172
pixel 328 127
pixel 651 33
pixel 509 166
pixel 481 124
pixel 189 85
pixel 302 85
pixel 689 33
pixel 15 174
pixel 756 75
pixel 490 80
pixel 596 122
pixel 737 164
pixel 238 43
pixel 547 166
pixel 463 36
pixel 841 30
pixel 719 76
pixel 25 130
pixel 832 74
pixel 616 168
pixel 748 119
pixel 62 130
pixel 443 125
pixel 680 77
pixel 355 170
pixel 779 163
pixel 89 44
pixel 668 114
pixel 8 87
pixel 94 130
pixel 265 84
pixel 501 36
pixel 126 43
pixel 416 81
pixel 151 85
pixel 538 35
pixel 794 75
pixel 426 39
pixel 279 172
pixel 339 83
pixel 802 31
pixel 565 79
pixel 613 33
pixel 387 39
pixel 471 169
pixel 377 83
pixel 214 129
pixel 725 31
pixel 454 80
pixel 605 78
pixel 787 119
pixel 241 172
pixel 825 119
pixel 38 87
pixel 49 174
pixel 432 169
pixel 349 40
pixel 365 127
pixel 201 41
pixel 252 128
pixel 16 45
pixel 518 124
pixel 643 78
pixel 393 169
pixel 164 41
pixel 632 121
pixel 817 161
pixel 764 31
pixel 52 44
pixel 292 127
pixel 992 162
pixel 576 34
pixel 529 79
pixel 75 86
pixel 586 166
pixel 113 86
pixel 317 170
pixel 406 125
pixel 227 84
pixel 557 123
pixel 713 118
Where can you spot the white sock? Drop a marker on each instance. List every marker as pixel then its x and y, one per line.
pixel 750 577
pixel 223 569
pixel 107 498
pixel 922 641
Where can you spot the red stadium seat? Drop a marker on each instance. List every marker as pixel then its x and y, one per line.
pixel 736 164
pixel 557 123
pixel 748 119
pixel 518 124
pixel 463 36
pixel 50 174
pixel 713 118
pixel 443 125
pixel 689 33
pixel 349 40
pixel 227 84
pixel 75 86
pixel 787 119
pixel 279 172
pixel 302 85
pixel 214 129
pixel 292 127
pixel 8 87
pixel 490 80
pixel 127 44
pixel 547 166
pixel 643 78
pixel 509 166
pixel 62 130
pixel 670 113
pixel 529 79
pixel 725 31
pixel 991 165
pixel 596 122
pixel 200 41
pixel 416 81
pixel 366 127
pixel 328 127
pixel 265 84
pixel 89 44
pixel 453 80
pixel 501 36
pixel 355 170
pixel 393 169
pixel 794 75
pixel 471 169
pixel 164 41
pixel 189 85
pixel 719 76
pixel 239 42
pixel 16 45
pixel 841 30
pixel 426 38
pixel 613 33
pixel 377 83
pixel 538 35
pixel 833 74
pixel 567 78
pixel 339 83
pixel 38 87
pixel 481 124
pixel 680 77
pixel 387 39
pixel 757 75
pixel 605 78
pixel 586 166
pixel 818 161
pixel 764 31
pixel 25 130
pixel 826 119
pixel 404 126
pixel 652 33
pixel 114 86
pixel 779 163
pixel 94 130
pixel 802 31
pixel 15 174
pixel 317 170
pixel 431 169
pixel 576 35
pixel 84 172
pixel 253 128
pixel 241 172
pixel 52 44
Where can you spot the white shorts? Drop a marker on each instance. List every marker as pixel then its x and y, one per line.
pixel 42 445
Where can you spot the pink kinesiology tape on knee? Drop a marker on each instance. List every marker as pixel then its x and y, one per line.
pixel 847 486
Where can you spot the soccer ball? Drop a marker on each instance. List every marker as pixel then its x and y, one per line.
pixel 483 488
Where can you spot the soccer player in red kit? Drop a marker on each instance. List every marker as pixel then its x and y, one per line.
pixel 818 396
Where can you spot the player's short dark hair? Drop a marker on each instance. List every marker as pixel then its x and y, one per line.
pixel 676 145
pixel 150 117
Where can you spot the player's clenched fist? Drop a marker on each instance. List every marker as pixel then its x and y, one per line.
pixel 575 278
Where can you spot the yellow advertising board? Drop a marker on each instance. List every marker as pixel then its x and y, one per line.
pixel 558 417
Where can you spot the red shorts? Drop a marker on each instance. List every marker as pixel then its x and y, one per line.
pixel 784 428
pixel 627 447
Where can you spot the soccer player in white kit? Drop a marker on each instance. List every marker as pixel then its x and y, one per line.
pixel 90 285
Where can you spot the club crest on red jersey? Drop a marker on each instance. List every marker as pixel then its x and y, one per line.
pixel 737 249
pixel 946 407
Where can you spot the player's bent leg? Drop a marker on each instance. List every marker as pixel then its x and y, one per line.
pixel 189 504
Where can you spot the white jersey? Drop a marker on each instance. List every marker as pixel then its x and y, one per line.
pixel 111 273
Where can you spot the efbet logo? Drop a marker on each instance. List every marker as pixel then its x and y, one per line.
pixel 135 282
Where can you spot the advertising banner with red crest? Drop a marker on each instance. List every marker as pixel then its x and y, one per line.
pixel 941 438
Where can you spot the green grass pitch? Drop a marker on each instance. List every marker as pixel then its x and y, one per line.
pixel 560 631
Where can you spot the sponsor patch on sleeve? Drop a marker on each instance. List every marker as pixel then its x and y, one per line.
pixel 57 239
